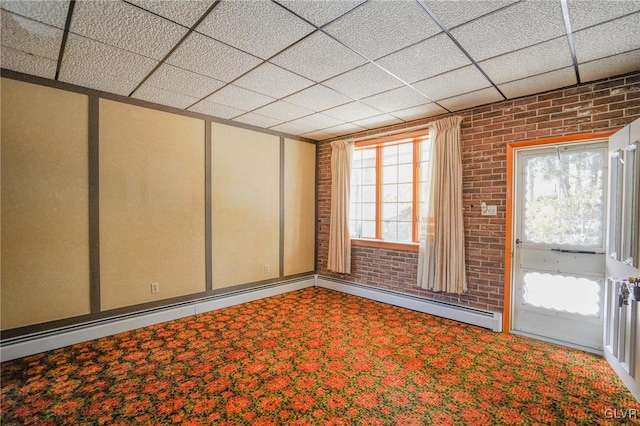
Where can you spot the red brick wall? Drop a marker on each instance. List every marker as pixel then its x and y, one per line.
pixel 603 105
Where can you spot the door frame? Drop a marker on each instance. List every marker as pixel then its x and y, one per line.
pixel 512 147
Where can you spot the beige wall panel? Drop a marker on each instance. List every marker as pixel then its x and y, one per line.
pixel 151 205
pixel 245 179
pixel 45 237
pixel 299 207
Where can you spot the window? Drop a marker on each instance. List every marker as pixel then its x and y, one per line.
pixel 387 199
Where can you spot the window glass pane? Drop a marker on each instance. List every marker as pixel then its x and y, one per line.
pixel 405 153
pixel 390 155
pixel 368 157
pixel 404 211
pixel 369 176
pixel 390 211
pixel 369 193
pixel 368 211
pixel 404 231
pixel 390 231
pixel 405 173
pixel 390 174
pixel 390 193
pixel 405 192
pixel 356 178
pixel 368 229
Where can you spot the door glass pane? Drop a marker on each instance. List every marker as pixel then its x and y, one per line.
pixel 575 295
pixel 564 197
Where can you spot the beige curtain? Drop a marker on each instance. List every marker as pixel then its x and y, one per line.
pixel 339 239
pixel 441 264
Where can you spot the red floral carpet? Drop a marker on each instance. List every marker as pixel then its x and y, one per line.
pixel 312 357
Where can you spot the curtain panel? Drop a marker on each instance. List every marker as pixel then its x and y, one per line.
pixel 441 261
pixel 339 239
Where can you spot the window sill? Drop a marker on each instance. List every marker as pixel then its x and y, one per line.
pixel 359 242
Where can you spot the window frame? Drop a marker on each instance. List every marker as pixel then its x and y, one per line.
pixel 378 144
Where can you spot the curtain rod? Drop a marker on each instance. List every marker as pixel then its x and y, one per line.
pixel 388 133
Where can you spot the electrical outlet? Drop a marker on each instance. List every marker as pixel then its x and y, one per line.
pixel 266 269
pixel 155 288
pixel 486 210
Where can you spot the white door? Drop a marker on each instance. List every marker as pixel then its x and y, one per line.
pixel 558 253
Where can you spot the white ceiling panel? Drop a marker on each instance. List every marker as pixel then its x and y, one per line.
pixel 257 120
pixel 375 29
pixel 352 112
pixel 209 57
pixel 88 54
pixel 292 128
pixel 272 80
pixel 319 135
pixel 618 36
pixel 318 98
pixel 396 99
pixel 586 13
pixel 259 27
pixel 125 26
pixel 184 13
pixel 455 12
pixel 320 12
pixel 164 97
pixel 27 63
pixel 317 121
pixel 449 84
pixel 318 57
pixel 177 80
pixel 421 111
pixel 94 79
pixel 609 66
pixel 344 129
pixel 511 28
pixel 425 59
pixel 540 58
pixel 363 81
pixel 539 83
pixel 29 36
pixel 49 12
pixel 468 100
pixel 378 121
pixel 284 111
pixel 239 98
pixel 216 110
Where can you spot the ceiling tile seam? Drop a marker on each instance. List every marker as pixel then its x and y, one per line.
pixel 523 48
pixel 154 13
pixel 457 43
pixel 10 12
pixel 572 46
pixel 637 12
pixel 527 77
pixel 328 23
pixel 486 14
pixel 610 56
pixel 173 49
pixel 65 36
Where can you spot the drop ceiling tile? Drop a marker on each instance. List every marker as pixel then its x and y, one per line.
pixel 125 26
pixel 378 121
pixel 27 63
pixel 520 25
pixel 610 66
pixel 49 12
pixel 455 12
pixel 94 79
pixel 320 12
pixel 452 83
pixel 317 121
pixel 540 58
pixel 425 59
pixel 319 135
pixel 363 81
pixel 318 57
pixel 188 83
pixel 89 54
pixel 164 97
pixel 421 111
pixel 216 110
pixel 539 83
pixel 618 36
pixel 209 57
pixel 396 99
pixel 272 80
pixel 586 13
pixel 291 128
pixel 257 120
pixel 345 129
pixel 318 98
pixel 29 36
pixel 239 98
pixel 283 111
pixel 185 13
pixel 468 100
pixel 352 111
pixel 379 27
pixel 259 27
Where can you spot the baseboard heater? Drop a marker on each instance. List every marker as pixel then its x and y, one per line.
pixel 478 317
pixel 57 338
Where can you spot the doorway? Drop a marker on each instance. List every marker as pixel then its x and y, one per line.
pixel 558 238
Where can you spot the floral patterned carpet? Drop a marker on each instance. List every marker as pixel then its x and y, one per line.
pixel 313 357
